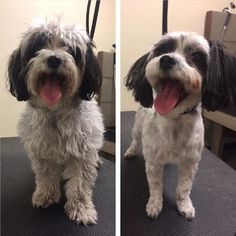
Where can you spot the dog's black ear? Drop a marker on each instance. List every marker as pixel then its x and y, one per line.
pixel 92 79
pixel 16 74
pixel 219 86
pixel 136 81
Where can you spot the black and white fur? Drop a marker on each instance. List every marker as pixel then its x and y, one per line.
pixel 177 137
pixel 61 139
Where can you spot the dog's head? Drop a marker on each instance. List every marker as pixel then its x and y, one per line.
pixel 173 74
pixel 54 63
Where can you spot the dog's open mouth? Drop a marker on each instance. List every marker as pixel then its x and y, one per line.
pixel 171 94
pixel 50 89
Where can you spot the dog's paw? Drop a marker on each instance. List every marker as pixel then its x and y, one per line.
pixel 186 209
pixel 153 209
pixel 44 199
pixel 129 154
pixel 81 214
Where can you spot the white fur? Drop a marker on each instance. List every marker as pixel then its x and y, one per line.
pixel 175 138
pixel 64 144
pixel 62 140
pixel 168 141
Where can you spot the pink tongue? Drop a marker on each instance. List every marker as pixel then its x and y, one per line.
pixel 168 98
pixel 51 92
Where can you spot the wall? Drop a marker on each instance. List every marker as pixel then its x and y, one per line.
pixel 16 16
pixel 141 26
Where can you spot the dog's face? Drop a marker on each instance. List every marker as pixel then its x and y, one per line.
pixel 175 68
pixel 53 64
pixel 178 71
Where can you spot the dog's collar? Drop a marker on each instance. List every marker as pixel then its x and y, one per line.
pixel 190 111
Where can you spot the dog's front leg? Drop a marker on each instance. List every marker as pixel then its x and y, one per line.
pixel 155 181
pixel 47 179
pixel 136 144
pixel 186 173
pixel 81 175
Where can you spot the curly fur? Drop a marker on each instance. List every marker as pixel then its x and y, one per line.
pixel 62 140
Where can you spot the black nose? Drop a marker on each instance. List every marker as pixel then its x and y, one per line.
pixel 53 62
pixel 167 62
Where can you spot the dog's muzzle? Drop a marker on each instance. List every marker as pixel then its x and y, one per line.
pixel 54 62
pixel 167 62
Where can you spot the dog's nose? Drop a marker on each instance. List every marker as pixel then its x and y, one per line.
pixel 53 62
pixel 167 62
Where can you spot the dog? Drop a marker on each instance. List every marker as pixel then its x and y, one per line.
pixel 171 81
pixel 55 70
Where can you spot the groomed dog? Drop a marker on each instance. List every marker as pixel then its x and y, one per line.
pixel 170 81
pixel 56 72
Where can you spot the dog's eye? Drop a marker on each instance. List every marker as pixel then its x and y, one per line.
pixel 164 47
pixel 161 50
pixel 200 60
pixel 77 55
pixel 75 52
pixel 68 49
pixel 197 56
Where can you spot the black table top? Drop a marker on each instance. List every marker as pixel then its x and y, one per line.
pixel 19 218
pixel 213 195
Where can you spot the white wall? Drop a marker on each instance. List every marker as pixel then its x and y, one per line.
pixel 16 15
pixel 141 22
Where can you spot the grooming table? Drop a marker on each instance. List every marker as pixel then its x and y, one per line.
pixel 19 218
pixel 213 195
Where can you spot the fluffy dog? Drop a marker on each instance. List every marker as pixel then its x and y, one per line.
pixel 177 72
pixel 55 70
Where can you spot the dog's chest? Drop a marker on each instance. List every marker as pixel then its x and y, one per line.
pixel 172 141
pixel 63 134
pixel 50 136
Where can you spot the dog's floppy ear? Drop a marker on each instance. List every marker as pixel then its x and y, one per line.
pixel 16 74
pixel 92 79
pixel 136 81
pixel 219 86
